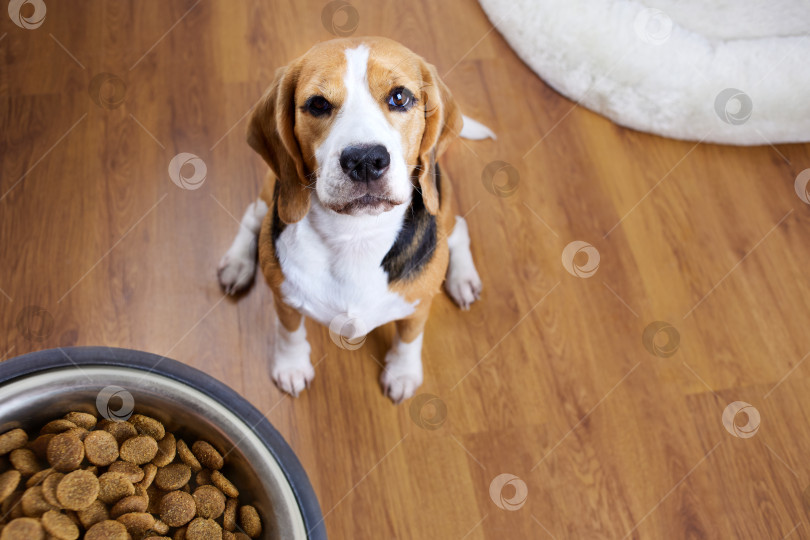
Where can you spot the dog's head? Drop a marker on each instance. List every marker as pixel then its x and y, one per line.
pixel 357 121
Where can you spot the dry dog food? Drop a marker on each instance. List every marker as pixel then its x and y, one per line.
pixel 116 480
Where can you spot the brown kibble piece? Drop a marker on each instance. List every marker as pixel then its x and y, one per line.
pixel 167 449
pixel 155 496
pixel 160 527
pixel 11 440
pixel 78 432
pixel 132 503
pixel 210 502
pixel 227 535
pixel 139 450
pixel 132 472
pixel 187 456
pixel 9 481
pixel 203 478
pixel 101 448
pixel 229 516
pixel 114 486
pixel 39 477
pixel 65 452
pixel 82 419
pixel 203 529
pixel 120 430
pixel 207 455
pixel 57 426
pixel 23 528
pixel 177 508
pixel 33 503
pixel 137 523
pixel 107 530
pixel 96 512
pixel 11 507
pixel 77 490
pixel 179 534
pixel 59 525
pixel 24 461
pixel 173 476
pixel 49 489
pixel 148 426
pixel 224 485
pixel 240 536
pixel 250 521
pixel 149 472
pixel 40 445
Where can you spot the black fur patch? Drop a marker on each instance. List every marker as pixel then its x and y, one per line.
pixel 413 249
pixel 278 225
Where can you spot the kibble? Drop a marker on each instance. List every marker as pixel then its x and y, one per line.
pixel 59 525
pixel 173 476
pixel 177 508
pixel 11 440
pixel 9 481
pixel 101 448
pixel 203 529
pixel 132 472
pixel 114 486
pixel 23 529
pixel 107 530
pixel 186 456
pixel 65 452
pixel 111 480
pixel 77 490
pixel 250 522
pixel 148 426
pixel 207 455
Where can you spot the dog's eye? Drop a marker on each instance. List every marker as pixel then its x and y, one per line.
pixel 317 106
pixel 400 99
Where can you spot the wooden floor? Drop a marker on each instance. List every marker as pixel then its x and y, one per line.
pixel 548 378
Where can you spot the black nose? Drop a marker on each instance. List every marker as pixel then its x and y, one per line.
pixel 365 163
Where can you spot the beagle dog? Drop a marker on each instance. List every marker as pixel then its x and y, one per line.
pixel 355 225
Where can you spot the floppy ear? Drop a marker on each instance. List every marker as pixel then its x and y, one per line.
pixel 442 125
pixel 270 133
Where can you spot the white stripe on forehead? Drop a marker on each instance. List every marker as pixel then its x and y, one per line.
pixel 356 65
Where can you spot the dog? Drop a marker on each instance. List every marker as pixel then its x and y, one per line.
pixel 355 226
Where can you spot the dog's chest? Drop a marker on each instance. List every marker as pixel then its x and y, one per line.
pixel 337 273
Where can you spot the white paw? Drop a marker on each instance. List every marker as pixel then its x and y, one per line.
pixel 463 284
pixel 398 384
pixel 235 271
pixel 293 378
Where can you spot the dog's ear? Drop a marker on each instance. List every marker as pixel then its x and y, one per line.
pixel 442 125
pixel 271 134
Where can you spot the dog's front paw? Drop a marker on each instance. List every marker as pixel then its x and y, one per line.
pixel 235 271
pixel 463 284
pixel 399 379
pixel 293 378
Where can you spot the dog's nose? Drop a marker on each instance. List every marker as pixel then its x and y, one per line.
pixel 365 163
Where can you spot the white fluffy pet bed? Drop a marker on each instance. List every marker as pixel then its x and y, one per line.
pixel 726 71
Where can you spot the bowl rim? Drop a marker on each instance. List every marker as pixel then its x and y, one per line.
pixel 61 357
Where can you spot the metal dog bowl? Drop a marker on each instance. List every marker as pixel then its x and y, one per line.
pixel 44 385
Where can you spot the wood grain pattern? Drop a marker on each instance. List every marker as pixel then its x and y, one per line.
pixel 547 378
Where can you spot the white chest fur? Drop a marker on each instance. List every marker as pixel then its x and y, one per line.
pixel 331 266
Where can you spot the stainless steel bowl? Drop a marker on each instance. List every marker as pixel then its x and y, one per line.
pixel 41 386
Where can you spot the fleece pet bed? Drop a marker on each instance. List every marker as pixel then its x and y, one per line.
pixel 735 72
